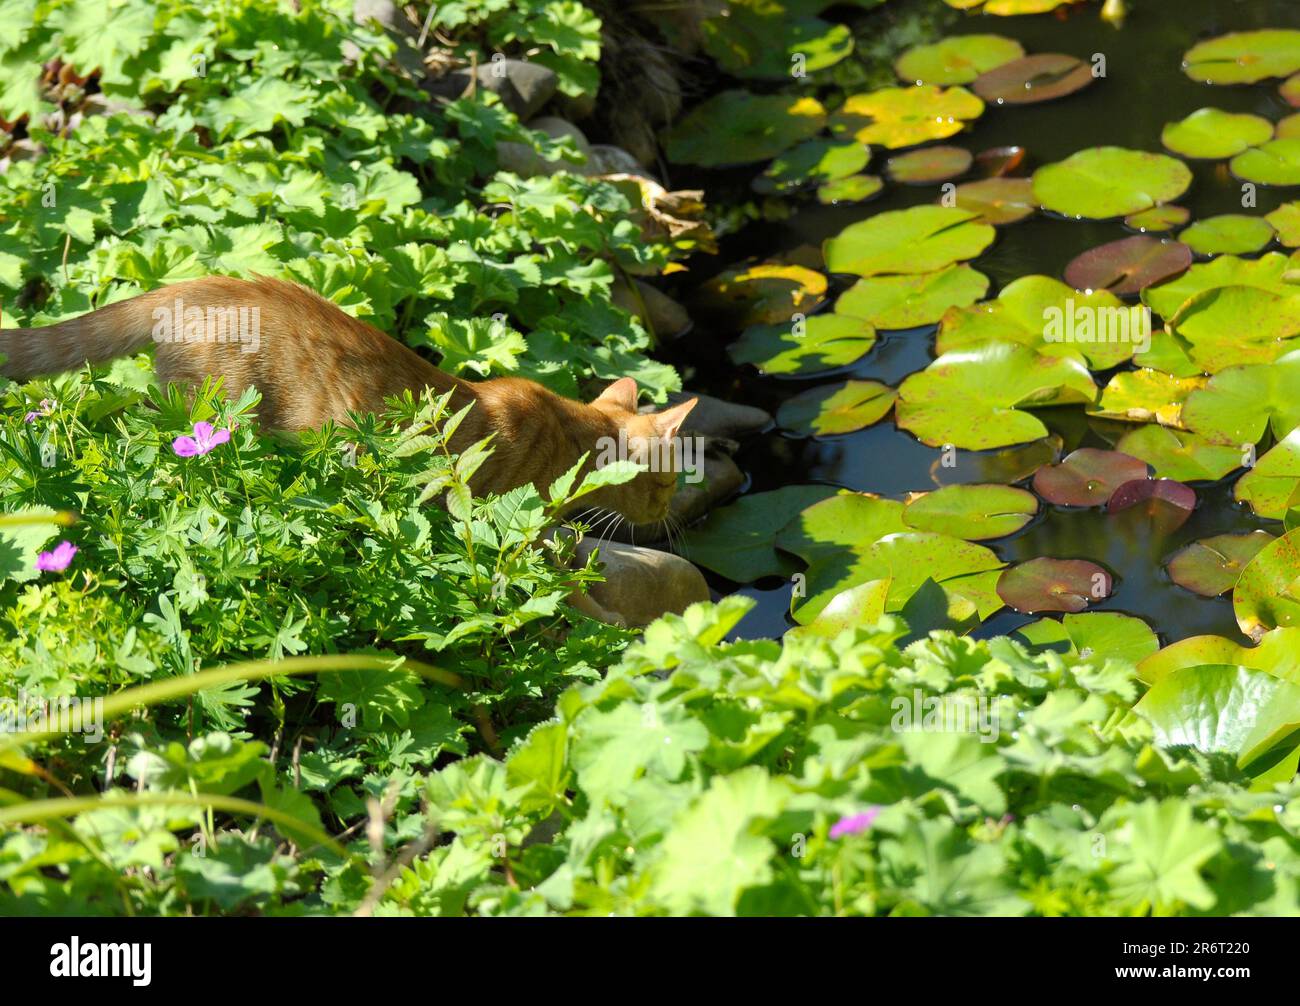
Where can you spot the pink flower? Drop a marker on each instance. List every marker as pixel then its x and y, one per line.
pixel 47 406
pixel 855 824
pixel 31 416
pixel 204 439
pixel 58 560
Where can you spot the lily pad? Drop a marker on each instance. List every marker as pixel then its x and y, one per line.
pixel 997 162
pixel 1158 219
pixel 761 46
pixel 972 512
pixel 894 302
pixel 1168 353
pixel 997 200
pixel 916 240
pixel 1229 234
pixel 736 127
pixel 738 541
pixel 853 189
pixel 1104 182
pixel 820 343
pixel 905 116
pixel 829 530
pixel 813 162
pixel 1286 221
pixel 1211 134
pixel 1030 79
pixel 1177 454
pixel 1128 265
pixel 850 608
pixel 1053 585
pixel 1288 128
pixel 1267 595
pixel 974 398
pixel 831 409
pixel 1012 8
pixel 1092 633
pixel 929 165
pixel 764 294
pixel 1212 566
pixel 1244 57
pixel 1237 325
pixel 1277 652
pixel 1005 467
pixel 1166 502
pixel 1238 404
pixel 1275 163
pixel 956 60
pixel 1289 89
pixel 1270 486
pixel 1266 273
pixel 1087 477
pixel 1146 396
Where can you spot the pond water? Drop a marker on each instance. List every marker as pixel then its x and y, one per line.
pixel 1143 89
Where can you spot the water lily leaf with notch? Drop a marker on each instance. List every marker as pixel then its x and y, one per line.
pixel 1232 325
pixel 764 294
pixel 1092 633
pixel 853 189
pixel 1145 396
pixel 738 541
pixel 1087 477
pixel 956 60
pixel 1178 454
pixel 1053 585
pixel 836 408
pixel 1168 354
pixel 1267 595
pixel 1228 234
pixel 972 512
pixel 1031 79
pixel 1024 310
pixel 1211 133
pixel 860 605
pixel 736 127
pixel 1004 467
pixel 974 398
pixel 1158 219
pixel 1274 163
pixel 1267 272
pixel 896 302
pixel 1126 266
pixel 1105 182
pixel 822 342
pixel 1244 57
pixel 916 240
pixel 829 530
pixel 1222 707
pixel 896 117
pixel 758 45
pixel 812 163
pixel 1277 653
pixel 1212 566
pixel 997 200
pixel 1286 221
pixel 1270 486
pixel 929 165
pixel 1238 404
pixel 1166 502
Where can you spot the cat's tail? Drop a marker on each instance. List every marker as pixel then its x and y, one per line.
pixel 102 335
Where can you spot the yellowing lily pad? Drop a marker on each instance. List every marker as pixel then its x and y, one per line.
pixel 1288 128
pixel 1267 594
pixel 1244 57
pixel 1229 234
pixel 1146 396
pixel 1275 163
pixel 972 512
pixel 894 302
pixel 1030 79
pixel 1211 133
pixel 1286 221
pixel 1177 454
pixel 1054 585
pixel 1104 182
pixel 1289 89
pixel 929 165
pixel 916 240
pixel 764 294
pixel 820 343
pixel 1270 486
pixel 997 201
pixel 956 60
pixel 736 127
pixel 1087 477
pixel 1158 219
pixel 905 116
pixel 1211 566
pixel 813 162
pixel 831 409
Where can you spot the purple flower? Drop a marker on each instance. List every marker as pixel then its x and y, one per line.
pixel 31 417
pixel 855 824
pixel 47 406
pixel 204 439
pixel 58 560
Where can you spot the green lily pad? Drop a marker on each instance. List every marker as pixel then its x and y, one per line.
pixel 836 408
pixel 1270 486
pixel 1275 163
pixel 1104 182
pixel 1286 221
pixel 1289 89
pixel 820 343
pixel 905 116
pixel 956 60
pixel 1244 57
pixel 813 162
pixel 849 609
pixel 1012 8
pixel 763 46
pixel 1212 566
pixel 1229 234
pixel 929 165
pixel 853 189
pixel 1052 319
pixel 1266 273
pixel 1128 265
pixel 894 302
pixel 1211 134
pixel 1004 467
pixel 1288 128
pixel 972 512
pixel 1158 219
pixel 1146 396
pixel 1277 652
pixel 1168 353
pixel 828 531
pixel 1101 633
pixel 974 398
pixel 1053 585
pixel 916 240
pixel 765 294
pixel 736 127
pixel 1238 404
pixel 1087 477
pixel 1267 595
pixel 997 201
pixel 1236 325
pixel 738 541
pixel 1178 454
pixel 1031 79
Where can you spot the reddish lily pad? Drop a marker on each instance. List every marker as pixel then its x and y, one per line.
pixel 1168 503
pixel 1128 265
pixel 1212 566
pixel 998 201
pixel 1158 219
pixel 929 164
pixel 1041 77
pixel 1290 91
pixel 997 162
pixel 1053 585
pixel 1087 477
pixel 1288 128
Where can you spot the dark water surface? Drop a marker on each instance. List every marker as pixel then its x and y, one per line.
pixel 1143 89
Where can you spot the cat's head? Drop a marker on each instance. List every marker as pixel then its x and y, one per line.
pixel 652 440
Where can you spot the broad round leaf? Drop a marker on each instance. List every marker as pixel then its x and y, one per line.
pixel 812 163
pixel 836 408
pixel 1087 477
pixel 1158 219
pixel 736 127
pixel 1289 89
pixel 972 512
pixel 1237 325
pixel 905 116
pixel 1166 502
pixel 1229 234
pixel 1266 272
pixel 849 609
pixel 1210 133
pixel 1177 454
pixel 764 294
pixel 852 189
pixel 997 162
pixel 894 302
pixel 1270 486
pixel 1053 585
pixel 1211 566
pixel 1288 128
pixel 1040 77
pixel 1104 182
pixel 1093 633
pixel 1146 396
pixel 820 343
pixel 929 164
pixel 916 240
pixel 956 60
pixel 1239 404
pixel 761 46
pixel 1128 265
pixel 1267 595
pixel 997 200
pixel 1244 57
pixel 1275 163
pixel 1277 652
pixel 1286 221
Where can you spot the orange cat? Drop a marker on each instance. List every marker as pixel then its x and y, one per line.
pixel 313 362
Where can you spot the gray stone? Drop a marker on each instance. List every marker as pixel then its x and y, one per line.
pixel 640 585
pixel 397 26
pixel 722 480
pixel 523 87
pixel 527 163
pixel 664 317
pixel 607 159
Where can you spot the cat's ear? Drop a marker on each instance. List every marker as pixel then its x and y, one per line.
pixel 622 394
pixel 669 422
